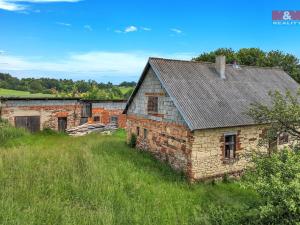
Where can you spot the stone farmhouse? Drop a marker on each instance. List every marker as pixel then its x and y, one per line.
pixel 60 114
pixel 193 114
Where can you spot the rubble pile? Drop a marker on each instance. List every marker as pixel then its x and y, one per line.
pixel 87 128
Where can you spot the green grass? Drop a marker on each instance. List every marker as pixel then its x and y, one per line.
pixel 124 90
pixel 57 179
pixel 14 93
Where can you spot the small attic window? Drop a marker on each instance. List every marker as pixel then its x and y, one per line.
pixel 152 104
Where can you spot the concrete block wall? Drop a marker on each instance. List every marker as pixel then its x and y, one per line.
pixel 166 108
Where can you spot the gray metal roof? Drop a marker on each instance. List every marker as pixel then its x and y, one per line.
pixel 207 101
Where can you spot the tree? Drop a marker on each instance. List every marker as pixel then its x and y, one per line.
pixel 282 116
pixel 276 180
pixel 256 57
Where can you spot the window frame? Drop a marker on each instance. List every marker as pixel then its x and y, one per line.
pixel 231 144
pixel 98 120
pixel 152 104
pixel 117 119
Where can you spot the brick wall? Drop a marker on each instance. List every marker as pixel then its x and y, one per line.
pixel 105 116
pixel 48 110
pixel 169 142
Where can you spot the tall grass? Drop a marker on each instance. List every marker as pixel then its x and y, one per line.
pixel 8 132
pixel 56 179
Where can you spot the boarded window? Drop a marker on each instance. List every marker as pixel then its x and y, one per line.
pixel 283 138
pixel 230 146
pixel 30 123
pixel 152 104
pixel 62 124
pixel 86 110
pixel 96 118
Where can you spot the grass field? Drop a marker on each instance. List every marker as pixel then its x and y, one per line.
pixel 14 93
pixel 56 179
pixel 124 90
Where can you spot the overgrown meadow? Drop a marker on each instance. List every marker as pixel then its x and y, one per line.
pixel 51 178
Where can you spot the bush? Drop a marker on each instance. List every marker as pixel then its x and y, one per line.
pixel 8 132
pixel 132 141
pixel 276 179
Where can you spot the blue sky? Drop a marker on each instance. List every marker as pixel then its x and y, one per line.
pixel 111 40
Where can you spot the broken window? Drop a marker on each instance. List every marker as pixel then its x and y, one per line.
pixel 152 104
pixel 114 119
pixel 96 118
pixel 230 146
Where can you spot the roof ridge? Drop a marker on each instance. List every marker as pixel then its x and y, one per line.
pixel 205 62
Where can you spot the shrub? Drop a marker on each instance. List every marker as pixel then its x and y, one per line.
pixel 276 179
pixel 132 141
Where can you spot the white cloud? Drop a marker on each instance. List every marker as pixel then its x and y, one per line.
pixel 89 65
pixel 88 27
pixel 2 52
pixel 146 28
pixel 18 5
pixel 130 29
pixel 64 24
pixel 175 30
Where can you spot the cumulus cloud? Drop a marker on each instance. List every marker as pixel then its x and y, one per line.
pixel 130 29
pixel 146 28
pixel 18 5
pixel 88 27
pixel 96 64
pixel 64 24
pixel 175 30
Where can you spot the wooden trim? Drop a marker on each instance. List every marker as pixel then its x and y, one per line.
pixel 154 94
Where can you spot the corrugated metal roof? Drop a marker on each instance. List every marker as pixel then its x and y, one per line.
pixel 207 101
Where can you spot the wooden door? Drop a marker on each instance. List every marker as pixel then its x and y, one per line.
pixel 62 124
pixel 31 123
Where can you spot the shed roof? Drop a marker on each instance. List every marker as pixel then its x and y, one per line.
pixel 207 101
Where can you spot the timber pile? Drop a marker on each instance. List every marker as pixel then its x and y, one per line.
pixel 87 128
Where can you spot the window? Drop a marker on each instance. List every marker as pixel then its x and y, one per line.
pixel 152 104
pixel 138 131
pixel 283 138
pixel 145 133
pixel 96 118
pixel 230 146
pixel 114 119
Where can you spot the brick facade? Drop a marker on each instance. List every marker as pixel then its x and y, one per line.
pixel 169 142
pixel 50 110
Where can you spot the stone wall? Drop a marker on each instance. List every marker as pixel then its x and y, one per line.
pixel 167 112
pixel 168 141
pixel 48 110
pixel 207 155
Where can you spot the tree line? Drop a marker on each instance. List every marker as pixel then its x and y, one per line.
pixel 256 57
pixel 67 87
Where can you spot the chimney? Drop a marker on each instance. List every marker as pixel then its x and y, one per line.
pixel 220 65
